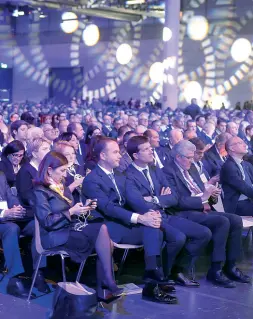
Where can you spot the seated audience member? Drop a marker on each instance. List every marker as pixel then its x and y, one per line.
pixel 237 179
pixel 75 172
pixel 188 134
pixel 140 129
pixel 143 119
pixel 200 121
pixel 194 205
pixel 19 131
pixel 220 127
pixel 107 125
pixel 78 130
pixel 49 132
pixel 207 134
pixel 63 126
pixel 124 225
pixel 55 211
pixel 132 122
pixel 69 137
pixel 242 129
pixel 191 126
pixel 28 118
pixel 232 128
pixel 248 138
pixel 90 162
pixel 216 155
pixel 33 133
pixel 175 136
pixel 147 189
pixel 91 131
pixel 161 154
pixel 123 129
pixel 13 222
pixel 11 161
pixel 55 121
pixel 125 159
pixel 14 117
pixel 178 123
pixel 117 123
pixel 36 150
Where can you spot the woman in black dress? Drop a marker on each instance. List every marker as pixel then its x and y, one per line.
pixel 55 213
pixel 12 160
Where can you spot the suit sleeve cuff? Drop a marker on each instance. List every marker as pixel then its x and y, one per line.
pixel 134 218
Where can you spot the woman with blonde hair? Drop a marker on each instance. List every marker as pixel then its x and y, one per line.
pixel 75 172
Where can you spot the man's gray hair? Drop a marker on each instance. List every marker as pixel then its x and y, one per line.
pixel 222 138
pixel 182 148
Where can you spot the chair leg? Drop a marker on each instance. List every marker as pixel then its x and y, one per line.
pixel 80 271
pixel 63 268
pixel 34 277
pixel 122 262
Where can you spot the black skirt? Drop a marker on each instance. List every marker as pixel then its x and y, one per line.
pixel 81 244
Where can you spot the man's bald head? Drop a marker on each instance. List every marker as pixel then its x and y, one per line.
pixel 140 129
pixel 175 136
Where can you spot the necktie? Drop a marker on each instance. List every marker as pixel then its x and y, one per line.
pixel 112 178
pixel 145 172
pixel 193 187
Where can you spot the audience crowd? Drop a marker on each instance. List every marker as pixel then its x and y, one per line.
pixel 95 173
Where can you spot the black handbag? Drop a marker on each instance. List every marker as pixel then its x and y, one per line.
pixel 73 300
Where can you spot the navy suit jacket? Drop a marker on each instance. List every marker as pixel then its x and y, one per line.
pixel 81 157
pixel 137 187
pixel 98 185
pixel 233 184
pixel 212 161
pixel 176 180
pixel 163 154
pixel 205 139
pixel 193 110
pixel 106 131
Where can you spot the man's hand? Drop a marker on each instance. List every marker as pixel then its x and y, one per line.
pixel 207 208
pixel 208 192
pixel 15 212
pixel 151 219
pixel 216 192
pixel 165 191
pixel 215 179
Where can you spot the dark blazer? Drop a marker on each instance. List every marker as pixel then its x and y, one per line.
pixel 163 154
pixel 5 192
pixel 52 212
pixel 7 168
pixel 81 156
pixel 106 131
pixel 24 184
pixel 233 184
pixel 193 110
pixel 205 139
pixel 114 133
pixel 212 161
pixel 98 185
pixel 137 187
pixel 175 178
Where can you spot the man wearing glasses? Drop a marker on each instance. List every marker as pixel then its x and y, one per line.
pixel 194 205
pixel 237 179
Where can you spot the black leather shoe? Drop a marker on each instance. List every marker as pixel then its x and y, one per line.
pixel 16 288
pixel 154 276
pixel 107 295
pixel 237 275
pixel 152 292
pixel 182 280
pixel 167 288
pixel 218 278
pixel 41 284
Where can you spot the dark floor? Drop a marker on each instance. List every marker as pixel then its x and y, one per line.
pixel 206 302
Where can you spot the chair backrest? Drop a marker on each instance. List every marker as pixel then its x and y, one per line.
pixel 38 245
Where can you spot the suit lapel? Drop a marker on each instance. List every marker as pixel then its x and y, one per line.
pixel 141 178
pixel 179 175
pixel 196 177
pixel 106 179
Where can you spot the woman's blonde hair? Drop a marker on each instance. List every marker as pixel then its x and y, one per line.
pixel 34 145
pixel 61 145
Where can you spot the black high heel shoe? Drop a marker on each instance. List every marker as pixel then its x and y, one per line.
pixel 107 294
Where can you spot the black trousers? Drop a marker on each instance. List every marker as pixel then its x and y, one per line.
pixel 226 233
pixel 244 208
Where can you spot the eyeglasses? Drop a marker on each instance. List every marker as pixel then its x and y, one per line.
pixel 190 158
pixel 17 155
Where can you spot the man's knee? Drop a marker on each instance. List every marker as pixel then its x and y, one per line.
pixel 11 229
pixel 180 240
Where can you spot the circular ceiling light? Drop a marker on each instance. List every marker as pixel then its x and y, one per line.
pixel 193 90
pixel 241 50
pixel 217 100
pixel 69 22
pixel 91 35
pixel 156 72
pixel 197 28
pixel 167 34
pixel 124 54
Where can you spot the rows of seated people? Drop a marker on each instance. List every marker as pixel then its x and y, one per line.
pixel 171 181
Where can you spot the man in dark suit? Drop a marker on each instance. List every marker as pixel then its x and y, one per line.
pixel 194 205
pixel 146 188
pixel 82 148
pixel 107 125
pixel 200 121
pixel 193 109
pixel 220 127
pixel 117 123
pixel 216 155
pixel 124 225
pixel 160 154
pixel 12 224
pixel 247 138
pixel 237 179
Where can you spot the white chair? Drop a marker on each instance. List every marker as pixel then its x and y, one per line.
pixel 247 224
pixel 42 252
pixel 126 248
